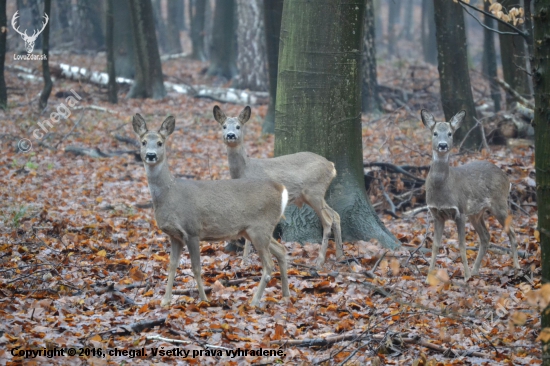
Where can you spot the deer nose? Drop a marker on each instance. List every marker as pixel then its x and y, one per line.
pixel 150 156
pixel 443 146
pixel 231 136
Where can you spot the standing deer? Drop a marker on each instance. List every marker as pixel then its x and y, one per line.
pixel 306 175
pixel 29 40
pixel 190 211
pixel 466 191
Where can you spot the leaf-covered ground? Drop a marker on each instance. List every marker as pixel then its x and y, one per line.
pixel 82 260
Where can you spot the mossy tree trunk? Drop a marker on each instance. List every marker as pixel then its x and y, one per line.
pixel 370 99
pixel 109 43
pixel 173 27
pixel 223 51
pixel 3 26
pixel 454 76
pixel 47 90
pixel 197 10
pixel 490 58
pixel 123 40
pixel 319 110
pixel 148 82
pixel 273 13
pixel 541 83
pixel 429 44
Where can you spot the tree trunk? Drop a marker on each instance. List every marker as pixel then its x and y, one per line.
pixel 394 15
pixel 123 40
pixel 197 28
pixel 370 99
pixel 62 28
pixel 45 94
pixel 3 25
pixel 208 28
pixel 513 54
pixel 273 12
pixel 319 110
pixel 223 51
pixel 379 31
pixel 528 26
pixel 148 82
pixel 251 52
pixel 88 32
pixel 160 26
pixel 541 82
pixel 180 11
pixel 409 20
pixel 429 43
pixel 173 27
pixel 490 58
pixel 109 42
pixel 454 77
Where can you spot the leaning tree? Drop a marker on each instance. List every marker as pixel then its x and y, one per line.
pixel 319 110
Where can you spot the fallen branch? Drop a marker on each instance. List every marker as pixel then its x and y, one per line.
pixel 396 169
pixel 169 340
pixel 515 94
pixel 95 152
pixel 115 292
pixel 174 56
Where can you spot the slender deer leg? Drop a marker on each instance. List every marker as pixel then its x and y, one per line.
pixel 325 214
pixel 193 246
pixel 501 216
pixel 337 231
pixel 484 237
pixel 279 251
pixel 461 228
pixel 439 225
pixel 174 262
pixel 261 242
pixel 246 252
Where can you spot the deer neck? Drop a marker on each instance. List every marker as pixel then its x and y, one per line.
pixel 160 181
pixel 439 171
pixel 237 160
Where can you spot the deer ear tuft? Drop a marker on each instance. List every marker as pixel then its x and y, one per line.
pixel 427 119
pixel 138 123
pixel 168 126
pixel 245 115
pixel 219 115
pixel 457 119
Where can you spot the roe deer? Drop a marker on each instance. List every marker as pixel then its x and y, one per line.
pixel 189 211
pixel 466 191
pixel 306 175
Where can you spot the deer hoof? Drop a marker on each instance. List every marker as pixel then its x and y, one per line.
pixel 319 262
pixel 165 303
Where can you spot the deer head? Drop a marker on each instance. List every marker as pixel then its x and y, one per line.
pixel 29 40
pixel 232 132
pixel 442 138
pixel 152 142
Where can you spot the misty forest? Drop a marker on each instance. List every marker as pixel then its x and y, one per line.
pixel 258 182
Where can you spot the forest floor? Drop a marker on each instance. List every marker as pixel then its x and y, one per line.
pixel 82 260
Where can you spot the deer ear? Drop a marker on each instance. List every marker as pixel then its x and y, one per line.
pixel 457 120
pixel 168 126
pixel 139 125
pixel 245 115
pixel 427 119
pixel 219 115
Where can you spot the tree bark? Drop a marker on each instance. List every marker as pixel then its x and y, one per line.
pixel 62 10
pixel 319 110
pixel 527 6
pixel 541 82
pixel 160 26
pixel 109 42
pixel 370 99
pixel 409 20
pixel 148 81
pixel 394 15
pixel 223 51
pixel 273 13
pixel 173 27
pixel 197 28
pixel 3 33
pixel 454 77
pixel 490 58
pixel 123 40
pixel 45 94
pixel 513 54
pixel 429 43
pixel 251 52
pixel 88 32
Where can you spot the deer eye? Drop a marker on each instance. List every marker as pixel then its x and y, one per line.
pixel 238 127
pixel 449 134
pixel 435 133
pixel 144 143
pixel 159 143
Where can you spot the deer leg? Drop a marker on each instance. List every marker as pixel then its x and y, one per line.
pixel 279 251
pixel 484 237
pixel 175 254
pixel 337 231
pixel 461 228
pixel 261 242
pixel 193 246
pixel 501 216
pixel 439 225
pixel 325 214
pixel 246 252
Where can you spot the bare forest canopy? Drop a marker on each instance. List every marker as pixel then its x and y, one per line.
pixel 85 258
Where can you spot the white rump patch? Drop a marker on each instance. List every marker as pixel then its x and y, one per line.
pixel 284 201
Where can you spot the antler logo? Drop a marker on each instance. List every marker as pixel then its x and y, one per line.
pixel 29 40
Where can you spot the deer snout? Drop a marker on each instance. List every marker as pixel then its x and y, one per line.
pixel 151 157
pixel 442 146
pixel 230 136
